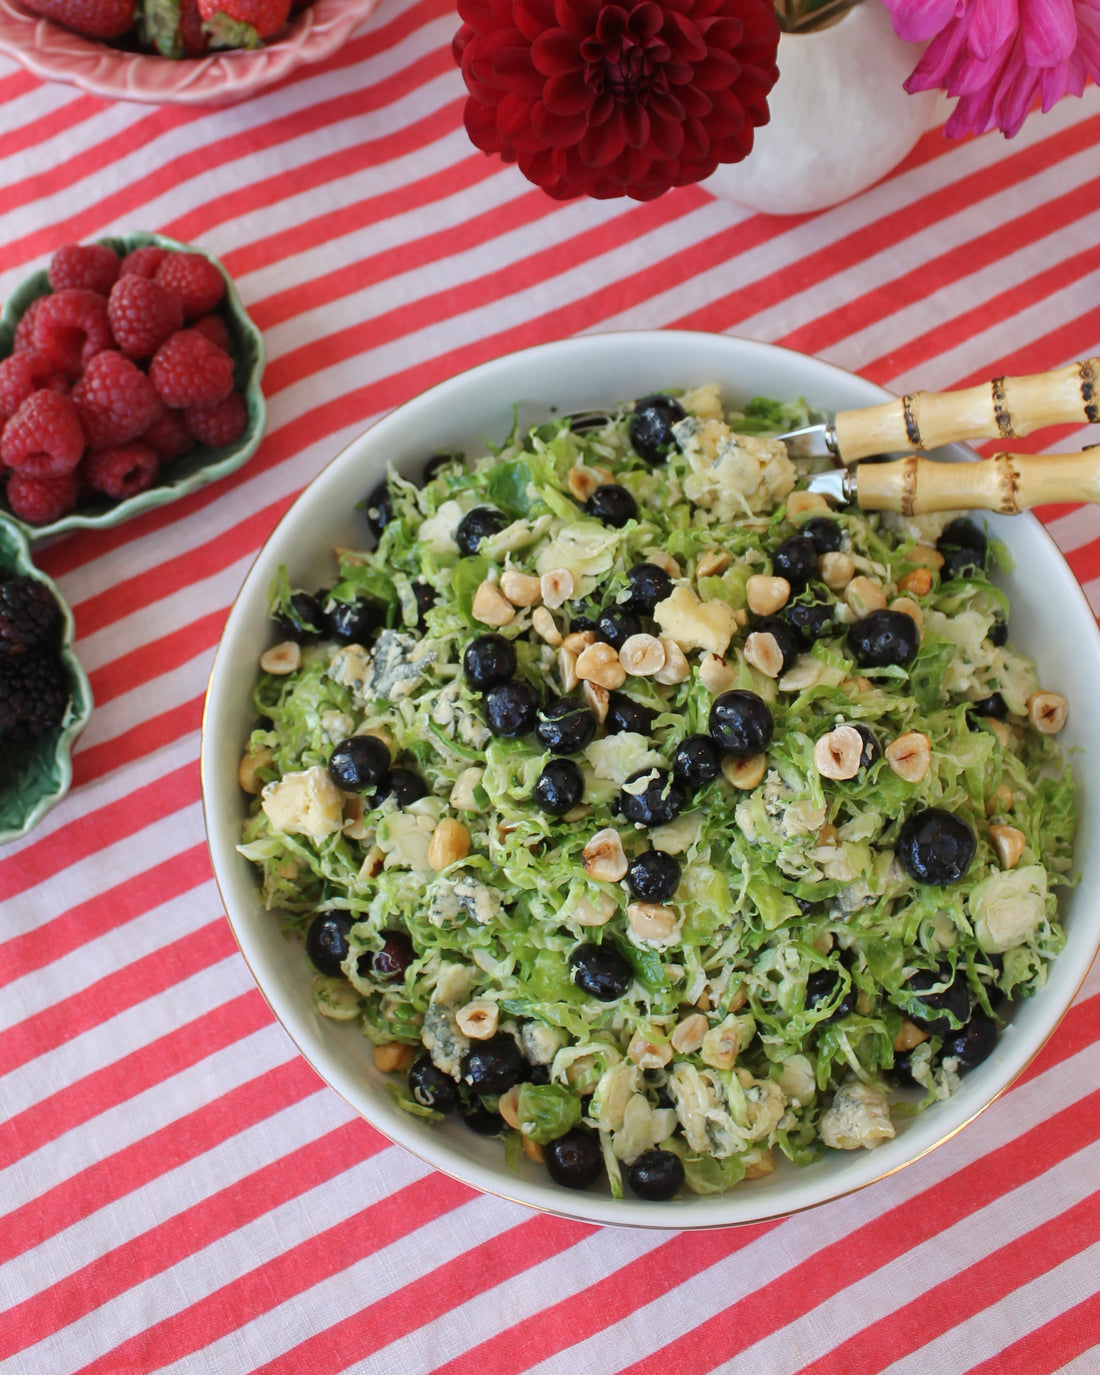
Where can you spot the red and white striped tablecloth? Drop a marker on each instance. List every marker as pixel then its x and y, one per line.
pixel 179 1191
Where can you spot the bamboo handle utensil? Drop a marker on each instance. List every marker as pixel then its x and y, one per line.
pixel 1007 407
pixel 1006 483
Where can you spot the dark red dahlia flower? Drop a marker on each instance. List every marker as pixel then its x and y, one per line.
pixel 624 99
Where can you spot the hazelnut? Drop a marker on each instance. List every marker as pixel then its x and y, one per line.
pixel 557 587
pixel 545 626
pixel 491 606
pixel 450 842
pixel 864 596
pixel 604 857
pixel 716 675
pixel 838 753
pixel 762 652
pixel 598 913
pixel 918 581
pixel 642 655
pixel 1009 844
pixel 508 1106
pixel 745 773
pixel 567 667
pixel 598 698
pixel 251 763
pixel 910 755
pixel 837 570
pixel 806 504
pixel 599 663
pixel 478 1019
pixel 909 1036
pixel 926 556
pixel 711 563
pixel 765 594
pixel 394 1057
pixel 578 640
pixel 688 1034
pixel 521 589
pixel 910 609
pixel 676 667
pixel 648 1054
pixel 1047 711
pixel 663 559
pixel 651 921
pixel 281 659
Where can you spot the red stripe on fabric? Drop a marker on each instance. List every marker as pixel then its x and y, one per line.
pixel 168 176
pixel 187 1138
pixel 48 125
pixel 154 658
pixel 308 235
pixel 950 333
pixel 17 84
pixel 1049 1347
pixel 142 740
pixel 125 987
pixel 598 1306
pixel 1078 1029
pixel 950 1303
pixel 272 191
pixel 875 1244
pixel 295 1270
pixel 151 1064
pixel 86 921
pixel 203 1224
pixel 953 266
pixel 90 832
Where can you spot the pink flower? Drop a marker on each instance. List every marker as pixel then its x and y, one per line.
pixel 1000 57
pixel 623 99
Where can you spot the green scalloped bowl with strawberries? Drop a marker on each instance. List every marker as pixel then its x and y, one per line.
pixel 35 776
pixel 202 465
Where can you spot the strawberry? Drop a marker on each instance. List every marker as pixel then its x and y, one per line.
pixel 92 18
pixel 230 21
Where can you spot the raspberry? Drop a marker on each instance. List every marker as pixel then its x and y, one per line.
pixel 43 438
pixel 92 266
pixel 39 500
pixel 114 400
pixel 194 279
pixel 142 314
pixel 24 330
pixel 188 370
pixel 34 692
pixel 221 424
pixel 20 374
pixel 167 434
pixel 215 329
pixel 143 262
pixel 71 327
pixel 122 470
pixel 29 615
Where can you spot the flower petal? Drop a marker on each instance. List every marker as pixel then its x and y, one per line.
pixel 919 20
pixel 992 24
pixel 1049 29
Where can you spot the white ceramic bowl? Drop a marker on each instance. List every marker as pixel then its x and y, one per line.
pixel 1051 620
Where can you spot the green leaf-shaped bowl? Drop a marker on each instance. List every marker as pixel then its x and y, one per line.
pixel 34 776
pixel 195 469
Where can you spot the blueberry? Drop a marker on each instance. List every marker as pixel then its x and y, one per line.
pixel 998 631
pixel 962 533
pixel 872 750
pixel 994 705
pixel 379 508
pixel 616 625
pixel 813 618
pixel 656 1175
pixel 511 709
pixel 565 725
pixel 492 1066
pixel 402 785
pixel 651 427
pixel 426 598
pixel 649 585
pixel 653 876
pixel 575 1159
pixel 972 1044
pixel 303 620
pixel 883 637
pixel 488 661
pixel 795 560
pixel 430 1087
pixel 600 971
pixel 435 465
pixel 476 525
pixel 481 1119
pixel 822 986
pixel 358 763
pixel 901 1071
pixel 954 999
pixel 353 623
pixel 935 846
pixel 327 941
pixel 741 723
pixel 395 956
pixel 960 563
pixel 579 624
pixel 786 640
pixel 824 533
pixel 624 714
pixel 697 760
pixel 559 787
pixel 612 505
pixel 661 801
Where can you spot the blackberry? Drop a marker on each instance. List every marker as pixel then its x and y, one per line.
pixel 29 615
pixel 34 693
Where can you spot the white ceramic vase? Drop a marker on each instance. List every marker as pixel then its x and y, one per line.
pixel 840 117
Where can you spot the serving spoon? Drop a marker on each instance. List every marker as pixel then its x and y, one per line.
pixel 1006 408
